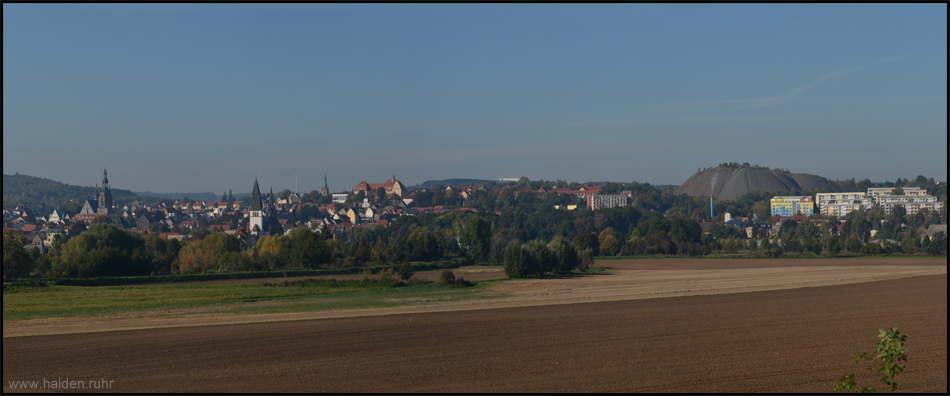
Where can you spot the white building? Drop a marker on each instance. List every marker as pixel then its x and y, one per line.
pixel 834 198
pixel 911 204
pixel 877 192
pixel 603 201
pixel 842 207
pixel 57 216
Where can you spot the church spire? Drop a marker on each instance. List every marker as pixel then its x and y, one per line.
pixel 256 203
pixel 105 197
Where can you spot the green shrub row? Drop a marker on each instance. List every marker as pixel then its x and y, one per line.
pixel 200 277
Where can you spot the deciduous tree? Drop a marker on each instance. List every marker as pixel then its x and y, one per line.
pixel 16 261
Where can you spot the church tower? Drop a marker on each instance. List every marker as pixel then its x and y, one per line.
pixel 105 197
pixel 326 190
pixel 256 224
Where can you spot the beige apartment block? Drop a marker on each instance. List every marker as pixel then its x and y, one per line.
pixel 877 192
pixel 911 204
pixel 821 199
pixel 842 207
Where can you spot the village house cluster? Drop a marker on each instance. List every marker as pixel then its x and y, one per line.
pixel 176 218
pixel 374 204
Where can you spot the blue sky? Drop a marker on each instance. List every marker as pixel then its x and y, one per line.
pixel 194 98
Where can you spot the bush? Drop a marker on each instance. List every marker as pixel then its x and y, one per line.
pixel 585 259
pixel 447 277
pixel 774 252
pixel 367 276
pixel 405 271
pixel 871 249
pixel 23 285
pixel 386 276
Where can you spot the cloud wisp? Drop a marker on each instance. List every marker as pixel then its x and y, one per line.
pixel 820 80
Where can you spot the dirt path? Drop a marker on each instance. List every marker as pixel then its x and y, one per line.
pixel 616 286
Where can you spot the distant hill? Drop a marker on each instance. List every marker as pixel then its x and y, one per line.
pixel 45 194
pixel 452 182
pixel 205 196
pixel 731 182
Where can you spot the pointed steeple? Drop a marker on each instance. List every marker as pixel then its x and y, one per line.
pixel 256 203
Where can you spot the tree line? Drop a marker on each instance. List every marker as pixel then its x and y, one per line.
pixel 658 223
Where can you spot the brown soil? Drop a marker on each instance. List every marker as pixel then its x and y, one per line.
pixel 620 284
pixel 486 273
pixel 796 340
pixel 705 264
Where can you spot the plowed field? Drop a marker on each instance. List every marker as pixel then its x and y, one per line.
pixel 794 340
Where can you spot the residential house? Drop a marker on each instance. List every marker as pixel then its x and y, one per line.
pixel 58 216
pixel 142 222
pixel 391 186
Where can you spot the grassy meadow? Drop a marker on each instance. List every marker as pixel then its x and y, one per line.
pixel 28 302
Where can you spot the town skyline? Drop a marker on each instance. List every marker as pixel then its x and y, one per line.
pixel 202 98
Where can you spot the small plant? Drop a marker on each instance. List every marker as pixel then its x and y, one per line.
pixel 890 351
pixel 367 276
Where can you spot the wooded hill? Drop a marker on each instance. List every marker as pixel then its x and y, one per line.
pixel 44 195
pixel 205 196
